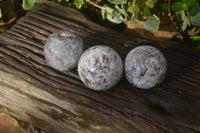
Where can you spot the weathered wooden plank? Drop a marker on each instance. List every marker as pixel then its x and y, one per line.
pixel 58 101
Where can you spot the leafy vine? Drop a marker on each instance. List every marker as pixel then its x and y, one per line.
pixel 184 14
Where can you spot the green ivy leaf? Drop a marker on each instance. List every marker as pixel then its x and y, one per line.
pixel 177 6
pixel 113 15
pixel 192 12
pixel 149 4
pixel 185 8
pixel 152 23
pixel 80 1
pixel 136 9
pixel 117 1
pixel 28 4
pixel 190 3
pixel 131 6
pixel 154 1
pixel 195 20
pixel 145 11
pixel 164 6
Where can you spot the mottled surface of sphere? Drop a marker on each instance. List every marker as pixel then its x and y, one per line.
pixel 62 50
pixel 145 67
pixel 100 68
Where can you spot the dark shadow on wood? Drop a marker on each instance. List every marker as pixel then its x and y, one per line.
pixel 177 97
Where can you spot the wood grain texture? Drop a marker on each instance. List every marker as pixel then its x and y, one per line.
pixel 59 103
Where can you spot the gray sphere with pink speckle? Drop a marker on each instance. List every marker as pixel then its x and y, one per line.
pixel 62 50
pixel 145 67
pixel 100 68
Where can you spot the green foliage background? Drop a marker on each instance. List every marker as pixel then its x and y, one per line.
pixel 184 14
